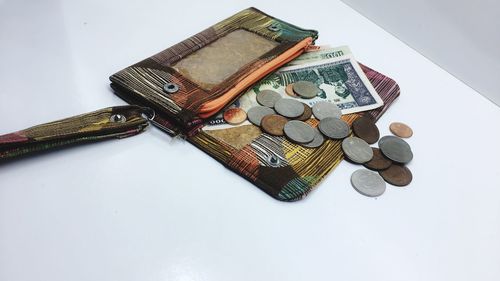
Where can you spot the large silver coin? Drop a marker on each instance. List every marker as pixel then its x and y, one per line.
pixel 289 108
pixel 368 183
pixel 268 98
pixel 334 128
pixel 306 89
pixel 299 132
pixel 317 141
pixel 357 150
pixel 395 149
pixel 324 109
pixel 256 113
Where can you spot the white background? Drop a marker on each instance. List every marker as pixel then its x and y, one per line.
pixel 463 37
pixel 155 208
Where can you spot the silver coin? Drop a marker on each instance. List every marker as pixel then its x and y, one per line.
pixel 289 108
pixel 395 149
pixel 357 150
pixel 306 89
pixel 317 141
pixel 268 98
pixel 256 113
pixel 299 131
pixel 334 128
pixel 368 183
pixel 325 109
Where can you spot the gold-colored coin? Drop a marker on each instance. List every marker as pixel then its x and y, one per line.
pixel 401 130
pixel 235 116
pixel 273 124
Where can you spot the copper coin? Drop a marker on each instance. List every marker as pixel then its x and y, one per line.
pixel 401 130
pixel 273 124
pixel 396 174
pixel 235 116
pixel 364 128
pixel 378 162
pixel 289 90
pixel 307 113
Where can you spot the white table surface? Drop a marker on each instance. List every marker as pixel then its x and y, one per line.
pixel 155 208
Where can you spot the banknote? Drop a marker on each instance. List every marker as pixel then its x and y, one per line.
pixel 320 53
pixel 333 70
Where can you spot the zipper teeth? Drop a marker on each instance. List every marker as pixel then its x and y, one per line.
pixel 217 109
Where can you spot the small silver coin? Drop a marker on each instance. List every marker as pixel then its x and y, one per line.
pixel 395 149
pixel 289 108
pixel 317 141
pixel 324 109
pixel 306 89
pixel 256 113
pixel 368 183
pixel 357 150
pixel 268 98
pixel 334 128
pixel 299 132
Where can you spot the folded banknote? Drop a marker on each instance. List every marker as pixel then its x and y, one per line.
pixel 334 70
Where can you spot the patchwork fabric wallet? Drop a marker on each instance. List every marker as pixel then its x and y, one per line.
pixel 198 77
pixel 191 82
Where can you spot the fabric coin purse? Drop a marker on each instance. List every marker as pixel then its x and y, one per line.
pixel 195 79
pixel 191 82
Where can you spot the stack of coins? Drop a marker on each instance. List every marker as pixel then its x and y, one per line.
pixel 279 116
pixel 387 162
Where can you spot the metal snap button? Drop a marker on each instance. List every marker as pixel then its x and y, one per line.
pixel 274 27
pixel 170 88
pixel 273 160
pixel 117 118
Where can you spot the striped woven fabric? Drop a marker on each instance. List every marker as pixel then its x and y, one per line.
pixel 89 127
pixel 298 169
pixel 248 42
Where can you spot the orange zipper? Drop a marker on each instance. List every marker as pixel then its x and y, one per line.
pixel 212 107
